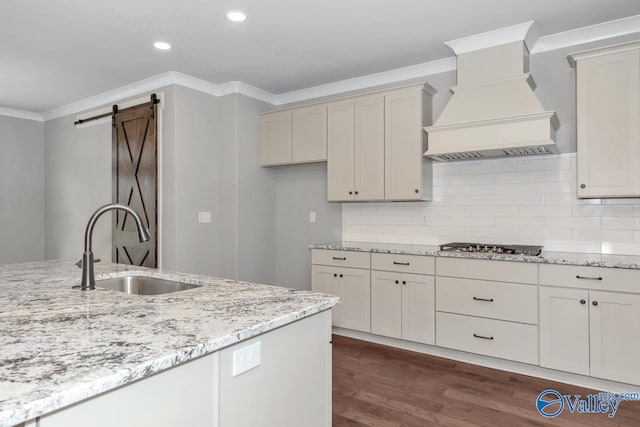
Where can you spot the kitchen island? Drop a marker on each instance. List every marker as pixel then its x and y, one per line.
pixel 61 347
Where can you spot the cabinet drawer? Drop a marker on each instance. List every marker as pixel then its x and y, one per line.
pixel 500 271
pixel 416 264
pixel 603 278
pixel 495 300
pixel 351 259
pixel 496 338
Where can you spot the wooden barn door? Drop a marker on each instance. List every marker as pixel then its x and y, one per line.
pixel 135 171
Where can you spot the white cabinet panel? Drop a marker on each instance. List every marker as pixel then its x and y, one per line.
pixel 416 264
pixel 418 308
pixel 275 138
pixel 309 140
pixel 499 271
pixel 403 144
pixel 341 152
pixel 496 300
pixel 608 129
pixel 369 148
pixel 351 259
pixel 403 306
pixel 386 304
pixel 353 286
pixel 506 340
pixel 615 336
pixel 564 329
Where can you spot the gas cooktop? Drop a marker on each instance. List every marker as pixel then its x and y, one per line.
pixel 490 248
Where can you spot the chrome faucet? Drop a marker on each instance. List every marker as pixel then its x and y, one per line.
pixel 88 279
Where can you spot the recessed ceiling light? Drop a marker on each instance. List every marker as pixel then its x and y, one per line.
pixel 236 16
pixel 162 45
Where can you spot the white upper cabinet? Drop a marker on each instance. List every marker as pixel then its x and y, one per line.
pixel 309 134
pixel 406 112
pixel 384 130
pixel 275 138
pixel 294 136
pixel 608 129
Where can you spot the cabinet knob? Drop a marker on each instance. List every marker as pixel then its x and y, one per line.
pixel 335 275
pixel 583 186
pixel 350 192
pixel 397 282
pixel 404 282
pixel 341 275
pixel 417 191
pixel 356 192
pixel 583 302
pixel 594 303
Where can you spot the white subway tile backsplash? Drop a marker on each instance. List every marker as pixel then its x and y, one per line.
pixel 528 200
pixel 621 223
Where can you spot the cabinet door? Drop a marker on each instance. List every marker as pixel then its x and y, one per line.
pixel 564 329
pixel 608 129
pixel 310 134
pixel 403 145
pixel 275 138
pixel 418 308
pixel 323 280
pixel 353 286
pixel 386 304
pixel 615 336
pixel 340 151
pixel 369 148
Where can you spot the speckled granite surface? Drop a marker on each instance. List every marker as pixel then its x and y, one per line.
pixel 567 258
pixel 60 345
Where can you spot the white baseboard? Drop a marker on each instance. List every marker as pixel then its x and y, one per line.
pixel 494 363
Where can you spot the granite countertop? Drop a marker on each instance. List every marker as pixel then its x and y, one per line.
pixel 61 345
pixel 565 258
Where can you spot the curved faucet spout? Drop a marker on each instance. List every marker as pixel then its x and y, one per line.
pixel 88 279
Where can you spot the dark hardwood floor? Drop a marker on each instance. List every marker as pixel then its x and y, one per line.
pixel 375 385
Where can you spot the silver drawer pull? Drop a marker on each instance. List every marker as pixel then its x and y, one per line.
pixel 483 299
pixel 400 263
pixel 340 258
pixel 587 278
pixel 484 338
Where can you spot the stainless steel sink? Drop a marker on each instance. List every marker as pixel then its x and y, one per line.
pixel 142 285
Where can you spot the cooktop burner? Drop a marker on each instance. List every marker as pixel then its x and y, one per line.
pixel 489 248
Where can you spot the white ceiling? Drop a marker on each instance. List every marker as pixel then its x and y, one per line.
pixel 56 52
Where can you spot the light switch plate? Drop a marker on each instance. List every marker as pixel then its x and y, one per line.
pixel 312 217
pixel 246 358
pixel 204 217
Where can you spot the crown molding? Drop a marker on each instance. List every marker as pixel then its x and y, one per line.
pixel 525 31
pixel 395 76
pixel 21 114
pixel 592 33
pixel 521 32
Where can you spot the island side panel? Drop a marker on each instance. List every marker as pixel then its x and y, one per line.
pixel 292 384
pixel 183 395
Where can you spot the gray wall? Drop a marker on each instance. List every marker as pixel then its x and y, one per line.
pixel 300 190
pixel 21 190
pixel 77 173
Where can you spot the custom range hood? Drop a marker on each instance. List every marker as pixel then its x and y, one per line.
pixel 494 111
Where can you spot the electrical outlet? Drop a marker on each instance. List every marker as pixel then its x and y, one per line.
pixel 246 358
pixel 312 217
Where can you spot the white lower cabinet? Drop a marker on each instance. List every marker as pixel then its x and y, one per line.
pixel 353 286
pixel 564 329
pixel 590 332
pixel 402 306
pixel 497 338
